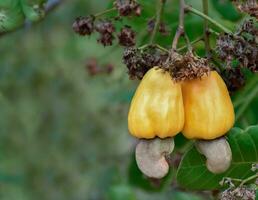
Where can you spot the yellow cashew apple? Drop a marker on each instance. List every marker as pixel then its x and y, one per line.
pixel 209 112
pixel 157 106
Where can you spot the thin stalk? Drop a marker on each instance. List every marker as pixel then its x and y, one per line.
pixel 192 43
pixel 206 32
pixel 155 46
pixel 214 22
pixel 180 29
pixel 211 31
pixel 104 12
pixel 158 20
pixel 249 179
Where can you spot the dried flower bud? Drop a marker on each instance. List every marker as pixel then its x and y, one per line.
pixel 84 25
pixel 128 7
pixel 126 37
pixel 105 29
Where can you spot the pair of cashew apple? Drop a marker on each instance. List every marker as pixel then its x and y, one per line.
pixel 14 12
pixel 201 109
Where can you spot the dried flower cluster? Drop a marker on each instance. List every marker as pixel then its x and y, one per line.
pixel 241 46
pixel 128 7
pixel 239 50
pixel 241 193
pixel 84 25
pixel 138 62
pixel 126 37
pixel 188 67
pixel 106 30
pixel 247 6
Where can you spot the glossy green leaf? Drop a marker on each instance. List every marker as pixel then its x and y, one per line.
pixel 193 174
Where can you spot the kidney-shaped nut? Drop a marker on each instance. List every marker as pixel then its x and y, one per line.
pixel 217 152
pixel 150 156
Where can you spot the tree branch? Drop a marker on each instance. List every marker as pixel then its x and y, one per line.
pixel 158 20
pixel 206 28
pixel 180 29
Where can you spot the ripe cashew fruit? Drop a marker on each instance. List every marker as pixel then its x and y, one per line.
pixel 157 106
pixel 209 112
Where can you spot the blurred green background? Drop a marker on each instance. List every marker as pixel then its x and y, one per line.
pixel 63 133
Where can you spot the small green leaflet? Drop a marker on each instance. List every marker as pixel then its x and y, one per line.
pixel 193 174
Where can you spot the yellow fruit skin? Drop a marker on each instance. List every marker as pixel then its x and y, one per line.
pixel 209 112
pixel 157 106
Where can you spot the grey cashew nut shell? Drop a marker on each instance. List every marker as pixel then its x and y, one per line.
pixel 217 152
pixel 150 156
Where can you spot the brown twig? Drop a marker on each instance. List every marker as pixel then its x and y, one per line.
pixel 180 29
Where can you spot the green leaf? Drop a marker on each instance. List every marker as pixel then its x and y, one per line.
pixel 11 15
pixel 193 174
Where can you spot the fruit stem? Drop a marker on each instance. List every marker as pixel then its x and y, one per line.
pixel 158 20
pixel 214 22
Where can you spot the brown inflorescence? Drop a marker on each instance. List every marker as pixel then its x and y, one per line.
pixel 138 62
pixel 187 67
pixel 106 30
pixel 248 6
pixel 128 7
pixel 126 37
pixel 84 25
pixel 242 46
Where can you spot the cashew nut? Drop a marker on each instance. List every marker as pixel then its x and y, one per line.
pixel 217 152
pixel 150 156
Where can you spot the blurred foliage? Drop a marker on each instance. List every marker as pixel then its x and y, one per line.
pixel 63 133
